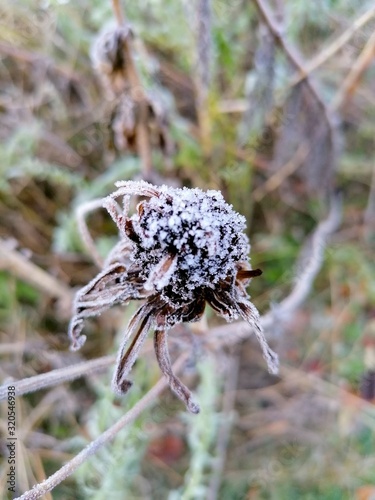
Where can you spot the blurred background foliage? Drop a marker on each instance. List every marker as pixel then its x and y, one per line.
pixel 276 145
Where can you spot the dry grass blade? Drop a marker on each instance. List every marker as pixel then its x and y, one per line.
pixel 224 434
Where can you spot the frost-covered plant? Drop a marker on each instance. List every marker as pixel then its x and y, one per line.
pixel 182 248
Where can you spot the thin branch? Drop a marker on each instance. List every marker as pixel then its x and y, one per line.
pixel 21 346
pixel 49 484
pixel 58 376
pixel 15 263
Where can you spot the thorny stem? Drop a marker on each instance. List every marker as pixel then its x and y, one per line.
pixel 139 96
pixel 58 376
pixel 49 484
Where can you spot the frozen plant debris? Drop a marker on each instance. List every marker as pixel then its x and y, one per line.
pixel 110 58
pixel 132 104
pixel 182 248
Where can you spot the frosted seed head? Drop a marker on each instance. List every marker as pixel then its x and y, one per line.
pixel 199 229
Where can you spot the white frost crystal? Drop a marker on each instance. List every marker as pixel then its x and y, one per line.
pixel 199 229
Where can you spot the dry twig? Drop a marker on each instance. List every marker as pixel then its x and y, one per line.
pixel 58 376
pixel 282 173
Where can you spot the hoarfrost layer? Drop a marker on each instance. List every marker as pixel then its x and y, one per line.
pixel 199 229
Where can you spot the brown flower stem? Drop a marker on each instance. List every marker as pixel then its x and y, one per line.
pixel 138 94
pixel 49 484
pixel 117 10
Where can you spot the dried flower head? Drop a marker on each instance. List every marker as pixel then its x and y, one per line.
pixel 182 248
pixel 133 105
pixel 109 58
